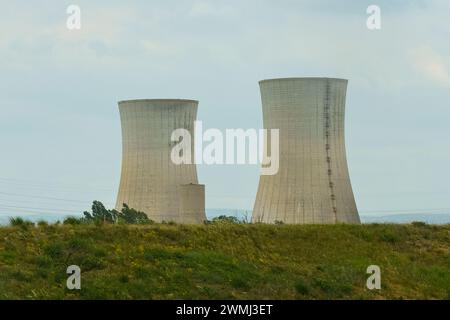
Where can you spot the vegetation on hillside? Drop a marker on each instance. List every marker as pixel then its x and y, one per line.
pixel 102 215
pixel 224 260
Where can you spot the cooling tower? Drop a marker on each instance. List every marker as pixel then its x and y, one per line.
pixel 312 184
pixel 150 181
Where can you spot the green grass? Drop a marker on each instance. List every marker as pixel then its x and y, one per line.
pixel 225 261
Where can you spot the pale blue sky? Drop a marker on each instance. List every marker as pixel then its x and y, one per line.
pixel 60 129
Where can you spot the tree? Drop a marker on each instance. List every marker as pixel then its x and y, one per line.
pixel 127 215
pixel 99 214
pixel 131 216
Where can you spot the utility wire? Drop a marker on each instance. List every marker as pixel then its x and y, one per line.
pixel 72 201
pixel 52 186
pixel 35 208
pixel 41 197
pixel 425 210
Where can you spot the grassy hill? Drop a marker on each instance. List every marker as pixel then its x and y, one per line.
pixel 225 261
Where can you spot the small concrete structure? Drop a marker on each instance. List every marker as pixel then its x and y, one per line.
pixel 150 180
pixel 312 184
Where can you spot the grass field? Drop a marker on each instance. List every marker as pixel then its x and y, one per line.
pixel 225 261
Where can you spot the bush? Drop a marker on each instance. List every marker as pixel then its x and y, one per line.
pixel 389 236
pixel 301 287
pixel 54 250
pixel 72 221
pixel 17 221
pixel 42 223
pixel 226 219
pixel 20 222
pixel 419 224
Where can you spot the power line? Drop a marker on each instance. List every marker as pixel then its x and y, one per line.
pixel 44 197
pixel 52 186
pixel 15 212
pixel 34 184
pixel 45 182
pixel 35 208
pixel 405 210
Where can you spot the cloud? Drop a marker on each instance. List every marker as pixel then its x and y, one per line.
pixel 210 9
pixel 432 65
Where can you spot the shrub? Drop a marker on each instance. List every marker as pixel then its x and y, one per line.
pixel 419 224
pixel 72 221
pixel 389 236
pixel 226 219
pixel 170 222
pixel 301 287
pixel 17 221
pixel 42 223
pixel 20 222
pixel 54 250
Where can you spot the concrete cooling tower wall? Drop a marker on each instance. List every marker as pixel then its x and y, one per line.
pixel 150 181
pixel 313 183
pixel 192 203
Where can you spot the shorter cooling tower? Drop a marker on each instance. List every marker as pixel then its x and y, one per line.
pixel 192 203
pixel 150 180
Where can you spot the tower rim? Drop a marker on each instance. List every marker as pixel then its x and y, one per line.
pixel 158 100
pixel 302 78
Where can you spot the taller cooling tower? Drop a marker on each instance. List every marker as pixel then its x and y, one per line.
pixel 150 181
pixel 312 184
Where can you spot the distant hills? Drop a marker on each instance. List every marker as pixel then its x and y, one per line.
pixel 431 218
pixel 435 218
